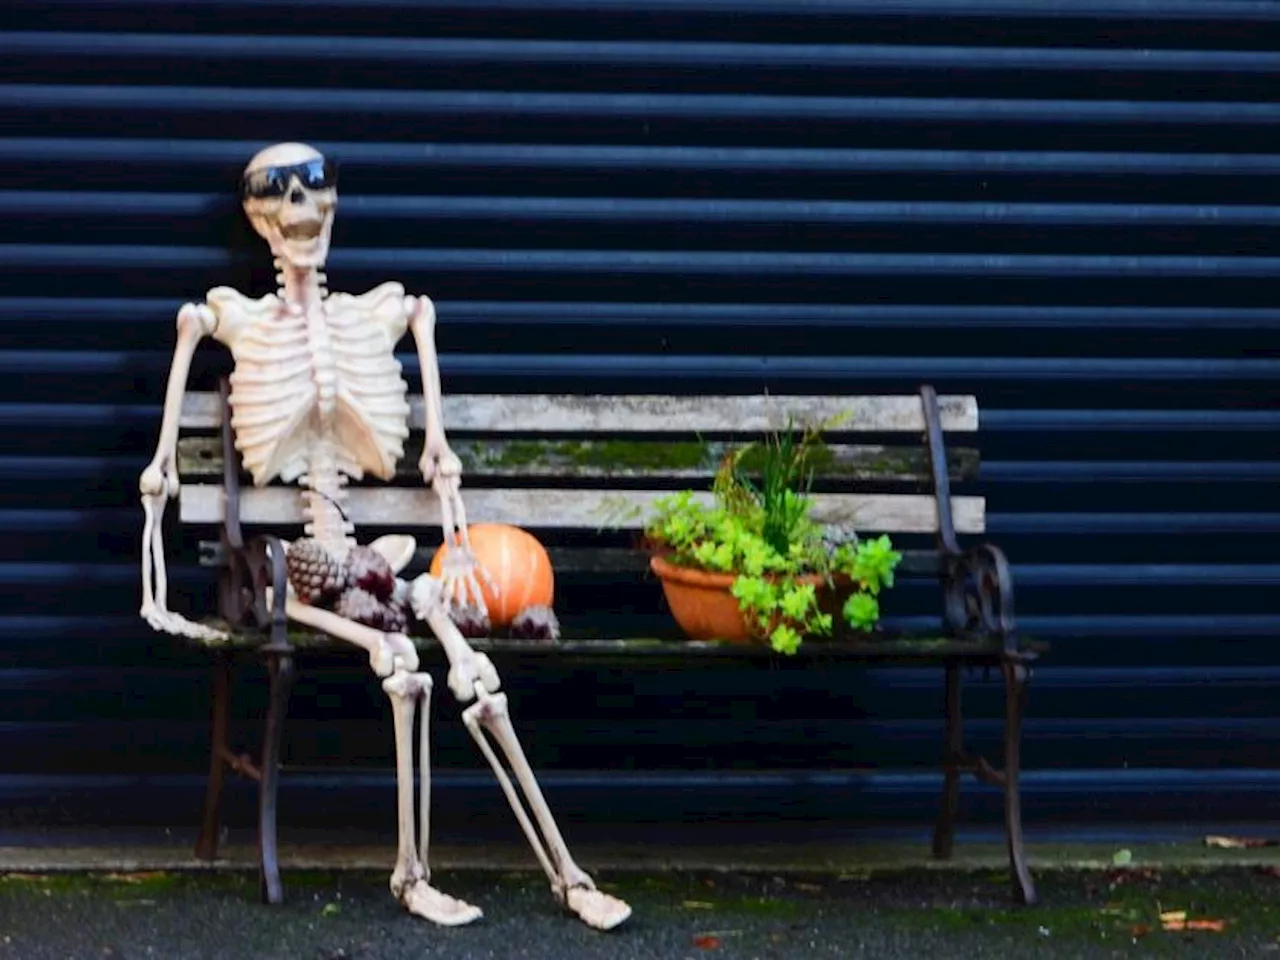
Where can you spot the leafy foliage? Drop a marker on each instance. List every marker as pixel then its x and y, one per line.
pixel 762 530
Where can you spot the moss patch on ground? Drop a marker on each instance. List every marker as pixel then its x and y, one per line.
pixel 884 914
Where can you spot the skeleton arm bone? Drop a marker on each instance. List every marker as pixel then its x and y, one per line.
pixel 437 458
pixel 441 467
pixel 159 481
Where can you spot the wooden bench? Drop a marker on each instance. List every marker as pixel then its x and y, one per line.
pixel 560 465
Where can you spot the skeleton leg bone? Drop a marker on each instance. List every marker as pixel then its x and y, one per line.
pixel 472 676
pixel 570 884
pixel 393 657
pixel 387 651
pixel 410 878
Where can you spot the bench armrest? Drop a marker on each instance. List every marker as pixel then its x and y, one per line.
pixel 265 554
pixel 977 589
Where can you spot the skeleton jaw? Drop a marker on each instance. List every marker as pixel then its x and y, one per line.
pixel 302 243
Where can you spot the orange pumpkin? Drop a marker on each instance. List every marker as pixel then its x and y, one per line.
pixel 518 564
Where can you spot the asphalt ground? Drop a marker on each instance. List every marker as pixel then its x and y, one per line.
pixel 885 914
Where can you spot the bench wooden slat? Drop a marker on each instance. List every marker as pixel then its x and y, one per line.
pixel 410 508
pixel 644 413
pixel 593 459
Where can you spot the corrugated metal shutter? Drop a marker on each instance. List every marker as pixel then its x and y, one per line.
pixel 1068 209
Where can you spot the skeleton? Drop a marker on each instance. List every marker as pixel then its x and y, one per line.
pixel 317 397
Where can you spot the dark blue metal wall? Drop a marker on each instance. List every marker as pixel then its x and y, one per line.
pixel 1069 209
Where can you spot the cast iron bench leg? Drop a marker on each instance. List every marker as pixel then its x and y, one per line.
pixel 207 841
pixel 1015 679
pixel 280 669
pixel 953 752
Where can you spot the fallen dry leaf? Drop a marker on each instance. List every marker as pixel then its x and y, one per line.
pixel 1177 920
pixel 1214 926
pixel 810 887
pixel 1174 919
pixel 706 942
pixel 1140 930
pixel 1239 843
pixel 141 877
pixel 697 905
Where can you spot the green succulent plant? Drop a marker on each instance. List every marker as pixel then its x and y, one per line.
pixel 763 531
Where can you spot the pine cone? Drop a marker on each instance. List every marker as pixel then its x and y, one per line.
pixel 471 620
pixel 317 578
pixel 537 623
pixel 369 570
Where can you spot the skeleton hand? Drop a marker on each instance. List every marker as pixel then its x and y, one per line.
pixel 154 609
pixel 460 576
pixel 438 460
pixel 460 573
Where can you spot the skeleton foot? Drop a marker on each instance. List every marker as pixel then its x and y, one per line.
pixel 596 908
pixel 409 879
pixel 570 884
pixel 423 900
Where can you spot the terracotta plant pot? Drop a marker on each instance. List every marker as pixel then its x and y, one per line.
pixel 702 605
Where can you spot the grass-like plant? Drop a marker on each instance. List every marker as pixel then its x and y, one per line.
pixel 763 531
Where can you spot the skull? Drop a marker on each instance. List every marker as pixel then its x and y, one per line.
pixel 289 192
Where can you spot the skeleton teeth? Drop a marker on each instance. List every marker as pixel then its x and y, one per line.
pixel 307 230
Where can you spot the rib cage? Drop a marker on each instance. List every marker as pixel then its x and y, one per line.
pixel 319 394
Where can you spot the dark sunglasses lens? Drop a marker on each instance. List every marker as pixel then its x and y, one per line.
pixel 273 181
pixel 317 174
pixel 265 183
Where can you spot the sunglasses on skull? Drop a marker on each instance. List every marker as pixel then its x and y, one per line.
pixel 317 174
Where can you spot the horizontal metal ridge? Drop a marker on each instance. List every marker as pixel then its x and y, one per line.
pixel 22 679
pixel 76 362
pixel 731 315
pixel 1196 626
pixel 1102 471
pixel 407 51
pixel 233 153
pixel 1155 10
pixel 1174 421
pixel 712 262
pixel 1128 524
pixel 82 203
pixel 40 97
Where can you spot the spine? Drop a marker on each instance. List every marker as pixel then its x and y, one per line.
pixel 324 495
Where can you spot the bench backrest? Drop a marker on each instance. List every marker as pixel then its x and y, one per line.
pixel 598 462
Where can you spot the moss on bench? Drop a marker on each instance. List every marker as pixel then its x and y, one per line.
pixel 892 647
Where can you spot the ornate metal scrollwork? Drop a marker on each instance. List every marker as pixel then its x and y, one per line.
pixel 978 596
